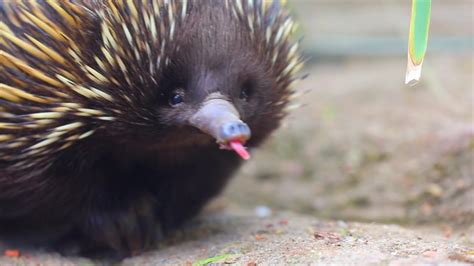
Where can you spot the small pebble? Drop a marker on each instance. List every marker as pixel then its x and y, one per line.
pixel 342 224
pixel 430 254
pixel 263 211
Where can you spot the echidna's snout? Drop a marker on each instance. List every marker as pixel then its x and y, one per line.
pixel 235 130
pixel 219 118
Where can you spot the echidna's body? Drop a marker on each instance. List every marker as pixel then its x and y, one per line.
pixel 100 102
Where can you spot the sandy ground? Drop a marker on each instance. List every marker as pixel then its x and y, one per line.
pixel 369 171
pixel 245 238
pixel 286 238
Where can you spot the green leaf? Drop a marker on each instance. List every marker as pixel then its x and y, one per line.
pixel 418 39
pixel 211 260
pixel 419 29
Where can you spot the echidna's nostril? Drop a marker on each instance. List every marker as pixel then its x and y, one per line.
pixel 244 128
pixel 235 130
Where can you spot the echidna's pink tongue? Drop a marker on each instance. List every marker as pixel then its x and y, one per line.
pixel 239 148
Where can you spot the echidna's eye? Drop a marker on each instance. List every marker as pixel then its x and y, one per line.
pixel 247 89
pixel 244 93
pixel 175 99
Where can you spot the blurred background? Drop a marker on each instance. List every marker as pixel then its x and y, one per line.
pixel 365 146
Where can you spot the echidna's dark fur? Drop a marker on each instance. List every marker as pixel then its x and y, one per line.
pixel 87 139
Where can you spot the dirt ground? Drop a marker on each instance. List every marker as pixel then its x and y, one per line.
pixel 241 237
pixel 369 171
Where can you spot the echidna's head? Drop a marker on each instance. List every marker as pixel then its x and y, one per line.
pixel 223 74
pixel 161 73
pixel 218 79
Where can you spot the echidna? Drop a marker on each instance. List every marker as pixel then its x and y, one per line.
pixel 110 110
